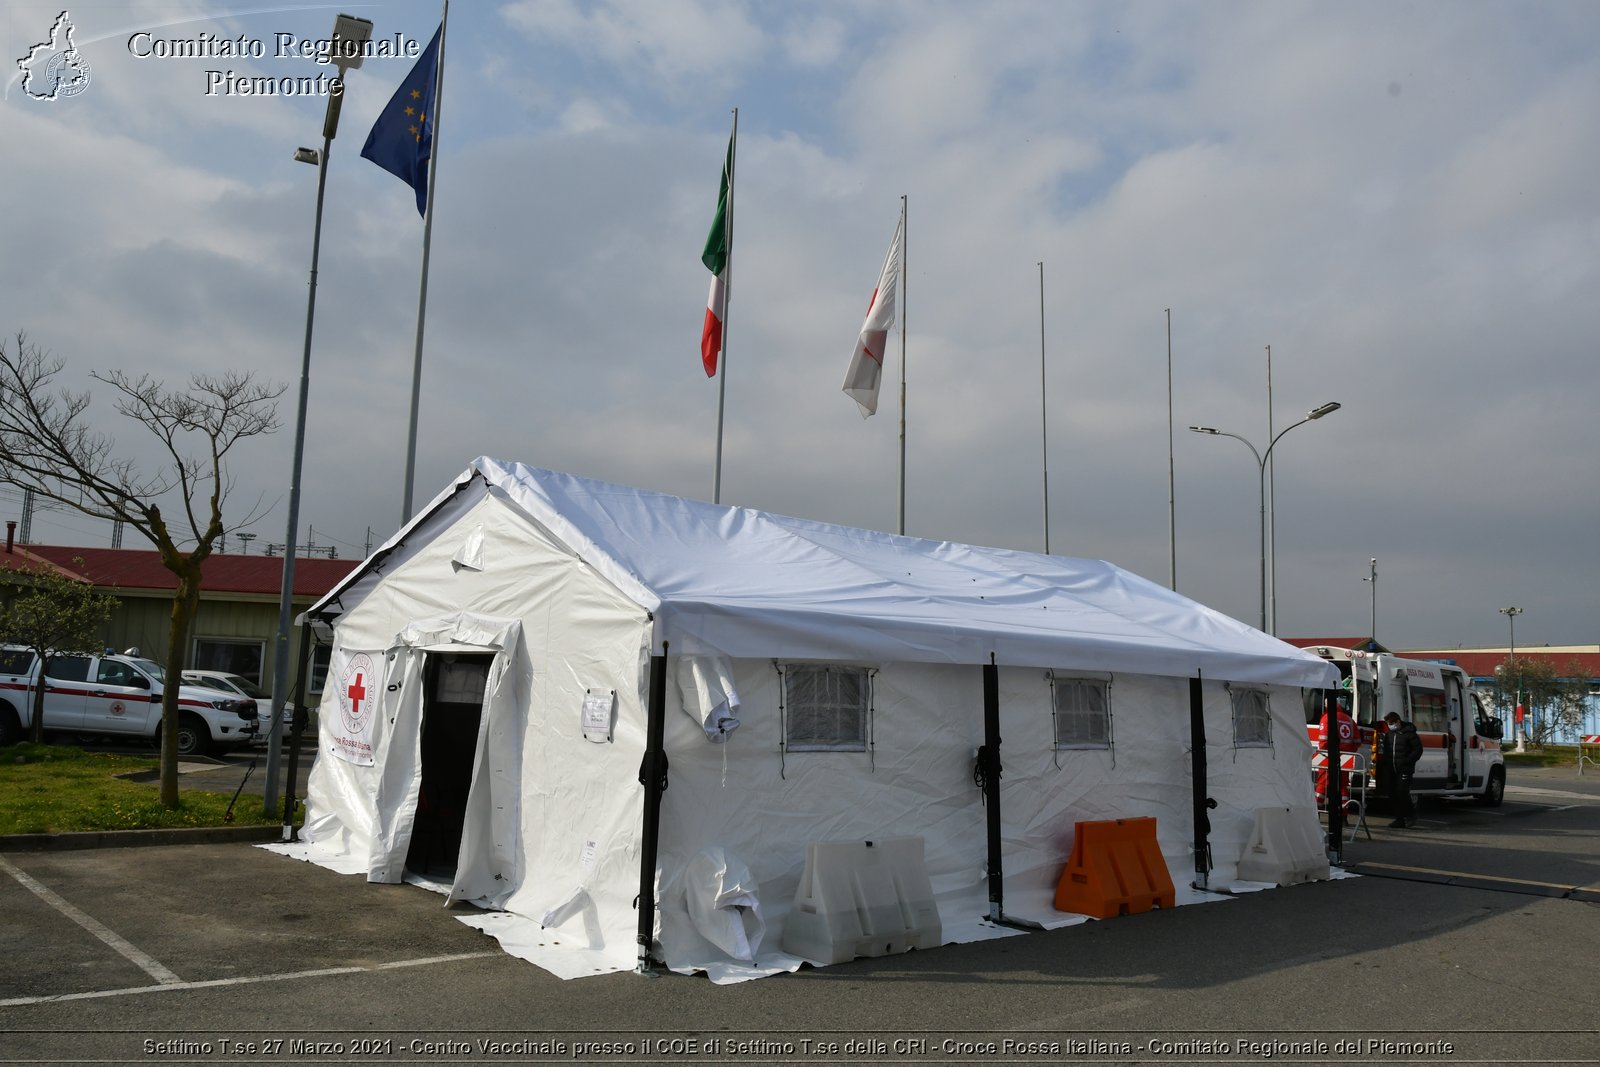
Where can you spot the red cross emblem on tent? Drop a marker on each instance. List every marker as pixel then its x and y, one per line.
pixel 355 694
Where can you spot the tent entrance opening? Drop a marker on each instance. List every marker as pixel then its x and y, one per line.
pixel 452 705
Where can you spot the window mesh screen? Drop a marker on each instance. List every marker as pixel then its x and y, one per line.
pixel 1083 713
pixel 826 708
pixel 1252 719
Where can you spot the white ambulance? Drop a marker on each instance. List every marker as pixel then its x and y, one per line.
pixel 1461 754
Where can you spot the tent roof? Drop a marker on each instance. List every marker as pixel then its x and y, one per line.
pixel 745 583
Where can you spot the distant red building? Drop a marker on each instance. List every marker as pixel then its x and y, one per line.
pixel 237 620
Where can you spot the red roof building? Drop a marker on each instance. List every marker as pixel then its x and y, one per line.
pixel 1481 662
pixel 129 570
pixel 237 621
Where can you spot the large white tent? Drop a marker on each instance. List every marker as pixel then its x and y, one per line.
pixel 616 696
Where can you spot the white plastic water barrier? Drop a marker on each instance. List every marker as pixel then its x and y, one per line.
pixel 862 898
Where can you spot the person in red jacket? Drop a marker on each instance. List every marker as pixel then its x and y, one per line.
pixel 1349 742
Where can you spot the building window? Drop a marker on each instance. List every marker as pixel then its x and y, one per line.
pixel 825 708
pixel 243 658
pixel 1082 711
pixel 1252 718
pixel 321 656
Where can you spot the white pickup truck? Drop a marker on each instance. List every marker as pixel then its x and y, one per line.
pixel 111 695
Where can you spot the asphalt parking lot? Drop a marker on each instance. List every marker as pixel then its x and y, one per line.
pixel 1470 938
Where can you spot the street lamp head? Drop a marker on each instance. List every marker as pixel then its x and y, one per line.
pixel 1513 612
pixel 350 37
pixel 1204 429
pixel 1326 409
pixel 307 155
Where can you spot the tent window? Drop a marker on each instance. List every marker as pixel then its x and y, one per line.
pixel 826 708
pixel 1252 719
pixel 1082 711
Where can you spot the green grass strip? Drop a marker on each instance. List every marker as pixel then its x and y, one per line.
pixel 60 789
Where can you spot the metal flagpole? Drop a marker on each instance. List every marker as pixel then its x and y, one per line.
pixel 422 296
pixel 904 276
pixel 727 303
pixel 1044 417
pixel 1172 492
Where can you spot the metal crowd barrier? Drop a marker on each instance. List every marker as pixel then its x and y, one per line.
pixel 1353 771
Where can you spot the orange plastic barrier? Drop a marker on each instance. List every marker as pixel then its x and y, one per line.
pixel 1115 869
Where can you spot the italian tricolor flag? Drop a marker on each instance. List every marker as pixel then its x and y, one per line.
pixel 715 257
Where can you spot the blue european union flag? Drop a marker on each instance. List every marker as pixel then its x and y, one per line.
pixel 401 141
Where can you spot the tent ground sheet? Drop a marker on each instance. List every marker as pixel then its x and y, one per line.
pixel 567 953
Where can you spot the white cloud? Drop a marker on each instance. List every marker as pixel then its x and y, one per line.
pixel 666 42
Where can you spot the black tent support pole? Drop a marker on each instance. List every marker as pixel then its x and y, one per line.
pixel 990 758
pixel 290 833
pixel 653 776
pixel 1334 777
pixel 1197 749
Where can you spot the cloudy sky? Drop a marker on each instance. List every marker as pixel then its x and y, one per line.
pixel 1398 198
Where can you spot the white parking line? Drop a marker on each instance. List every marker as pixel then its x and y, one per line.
pixel 216 982
pixel 139 959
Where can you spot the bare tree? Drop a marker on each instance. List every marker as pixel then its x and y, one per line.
pixel 47 446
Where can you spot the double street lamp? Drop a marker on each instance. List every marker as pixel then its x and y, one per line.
pixel 1516 726
pixel 1261 463
pixel 349 35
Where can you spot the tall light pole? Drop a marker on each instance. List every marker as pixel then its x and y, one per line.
pixel 1272 511
pixel 1172 470
pixel 1373 636
pixel 349 35
pixel 1516 727
pixel 1044 417
pixel 1261 464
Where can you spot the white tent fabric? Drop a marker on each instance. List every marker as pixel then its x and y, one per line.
pixel 737 582
pixel 568 587
pixel 708 695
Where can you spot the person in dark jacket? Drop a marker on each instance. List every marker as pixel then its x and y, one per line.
pixel 1399 752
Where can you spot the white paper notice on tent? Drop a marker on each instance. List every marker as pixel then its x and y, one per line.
pixel 598 705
